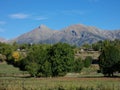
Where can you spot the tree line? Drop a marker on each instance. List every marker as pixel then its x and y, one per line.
pixel 43 60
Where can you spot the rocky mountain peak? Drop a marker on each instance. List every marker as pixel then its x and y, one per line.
pixel 77 34
pixel 42 26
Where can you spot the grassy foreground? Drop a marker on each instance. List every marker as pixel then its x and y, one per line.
pixel 9 70
pixel 12 78
pixel 60 83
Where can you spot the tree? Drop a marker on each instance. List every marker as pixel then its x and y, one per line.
pixel 61 57
pixel 37 55
pixel 32 68
pixel 47 69
pixel 109 59
pixel 6 49
pixel 86 46
pixel 44 60
pixel 15 45
pixel 96 46
pixel 16 55
pixel 78 65
pixel 87 61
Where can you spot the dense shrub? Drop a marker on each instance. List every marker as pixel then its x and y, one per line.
pixel 87 61
pixel 109 60
pixel 61 57
pixel 78 65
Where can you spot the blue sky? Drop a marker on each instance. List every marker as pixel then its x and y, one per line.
pixel 20 16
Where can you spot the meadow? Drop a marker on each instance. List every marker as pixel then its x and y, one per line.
pixel 59 83
pixel 14 79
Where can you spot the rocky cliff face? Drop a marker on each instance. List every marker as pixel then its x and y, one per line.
pixel 75 34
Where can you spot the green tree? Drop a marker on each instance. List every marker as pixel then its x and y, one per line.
pixel 6 49
pixel 36 54
pixel 32 68
pixel 48 60
pixel 47 69
pixel 96 46
pixel 109 59
pixel 78 65
pixel 87 61
pixel 86 46
pixel 61 57
pixel 15 45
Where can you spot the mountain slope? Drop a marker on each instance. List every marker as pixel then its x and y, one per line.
pixel 75 34
pixel 35 36
pixel 2 40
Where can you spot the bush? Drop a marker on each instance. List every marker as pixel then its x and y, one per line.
pixel 32 68
pixel 87 61
pixel 78 65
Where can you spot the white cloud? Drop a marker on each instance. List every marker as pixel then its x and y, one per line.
pixel 2 22
pixel 25 16
pixel 19 16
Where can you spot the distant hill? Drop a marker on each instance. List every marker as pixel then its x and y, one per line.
pixel 75 35
pixel 2 40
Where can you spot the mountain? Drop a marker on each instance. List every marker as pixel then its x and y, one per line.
pixel 36 36
pixel 75 34
pixel 2 40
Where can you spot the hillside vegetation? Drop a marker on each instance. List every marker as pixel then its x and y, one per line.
pixel 43 60
pixel 60 66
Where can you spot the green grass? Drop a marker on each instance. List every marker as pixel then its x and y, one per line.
pixel 10 79
pixel 9 70
pixel 55 83
pixel 92 70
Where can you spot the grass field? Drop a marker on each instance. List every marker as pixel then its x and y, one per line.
pixel 9 70
pixel 87 80
pixel 59 83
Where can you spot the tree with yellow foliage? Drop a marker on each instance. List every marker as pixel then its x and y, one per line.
pixel 16 55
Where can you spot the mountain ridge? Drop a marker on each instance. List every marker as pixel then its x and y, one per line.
pixel 2 39
pixel 76 34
